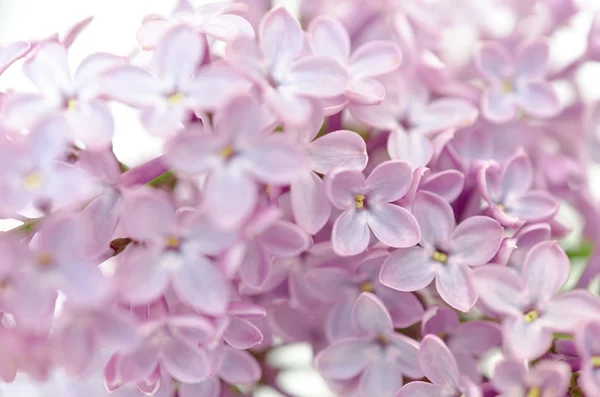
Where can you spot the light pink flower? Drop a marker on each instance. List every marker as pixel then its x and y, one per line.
pixel 546 378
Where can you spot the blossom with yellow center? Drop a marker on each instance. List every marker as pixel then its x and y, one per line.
pixel 439 257
pixel 175 98
pixel 367 287
pixel 72 105
pixel 32 180
pixel 359 199
pixel 172 242
pixel 534 392
pixel 227 152
pixel 530 316
pixel 44 259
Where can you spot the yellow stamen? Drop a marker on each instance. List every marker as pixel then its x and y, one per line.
pixel 383 339
pixel 268 190
pixel 359 199
pixel 534 392
pixel 175 98
pixel 530 316
pixel 595 361
pixel 32 180
pixel 72 105
pixel 367 287
pixel 226 152
pixel 501 207
pixel 44 259
pixel 508 87
pixel 439 257
pixel 172 242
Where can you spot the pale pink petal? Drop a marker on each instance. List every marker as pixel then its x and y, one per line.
pixel 389 181
pixel 526 340
pixel 177 55
pixel 242 334
pixel 438 363
pixel 285 239
pixel 290 107
pixel 447 184
pixel 133 86
pixel 74 31
pixel 12 53
pixel 144 277
pixel 569 310
pixel 365 91
pixel 224 188
pixel 152 31
pixel 48 69
pixel 328 37
pixel 445 113
pixel 378 116
pixel 453 282
pixel 350 234
pixel 185 362
pixel 281 38
pixel 214 86
pixel 517 176
pixel 421 389
pixel 338 149
pixel 535 206
pixel 493 61
pixel 538 99
pixel 342 185
pixel 137 364
pixel 330 284
pixel 532 60
pixel 209 388
pixel 310 205
pixel 381 379
pixel 24 110
pixel 407 269
pixel 476 337
pixel 228 28
pixel 370 315
pixel 256 265
pixel 476 240
pixel 239 368
pixel 545 270
pixel 412 147
pixel 509 374
pixel 343 360
pixel 404 307
pixel 375 59
pixel 275 160
pixel 148 215
pixel 405 354
pixel 92 68
pixel 194 152
pixel 499 288
pixel 393 225
pixel 498 106
pixel 586 340
pixel 201 284
pixel 92 124
pixel 435 218
pixel 316 76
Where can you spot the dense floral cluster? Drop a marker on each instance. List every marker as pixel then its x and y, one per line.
pixel 335 181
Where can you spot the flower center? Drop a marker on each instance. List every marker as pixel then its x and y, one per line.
pixel 175 98
pixel 507 86
pixel 367 287
pixel 32 180
pixel 595 360
pixel 440 257
pixel 227 152
pixel 383 340
pixel 72 105
pixel 359 200
pixel 172 242
pixel 534 392
pixel 530 316
pixel 44 259
pixel 501 207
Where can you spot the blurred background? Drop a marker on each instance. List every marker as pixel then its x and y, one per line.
pixel 113 30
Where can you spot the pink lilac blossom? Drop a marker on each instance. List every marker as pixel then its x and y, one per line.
pixel 346 178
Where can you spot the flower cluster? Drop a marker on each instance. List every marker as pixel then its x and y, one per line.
pixel 336 179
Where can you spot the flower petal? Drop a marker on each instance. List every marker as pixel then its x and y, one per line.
pixel 535 206
pixel 421 389
pixel 539 99
pixel 375 58
pixel 381 379
pixel 316 76
pixel 407 269
pixel 393 225
pixel 476 240
pixel 389 181
pixel 526 340
pixel 370 315
pixel 447 184
pixel 517 176
pixel 365 91
pixel 435 218
pixel 242 334
pixel 338 149
pixel 148 215
pixel 342 185
pixel 560 315
pixel 453 282
pixel 412 147
pixel 350 234
pixel 343 360
pixel 177 55
pixel 445 113
pixel 545 270
pixel 493 61
pixel 275 160
pixel 499 288
pixel 532 60
pixel 498 106
pixel 310 205
pixel 285 239
pixel 12 53
pixel 280 37
pixel 133 86
pixel 208 388
pixel 328 37
pixel 239 368
pixel 438 363
pixel 48 69
pixel 184 361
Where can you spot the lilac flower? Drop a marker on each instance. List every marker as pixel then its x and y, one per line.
pixel 367 207
pixel 216 19
pixel 445 252
pixel 522 242
pixel 380 356
pixel 76 97
pixel 173 86
pixel 547 378
pixel 236 155
pixel 528 303
pixel 507 190
pixel 467 341
pixel 516 84
pixel 289 82
pixel 439 366
pixel 13 52
pixel 328 37
pixel 586 342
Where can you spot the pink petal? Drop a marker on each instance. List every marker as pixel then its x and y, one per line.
pixel 343 360
pixel 342 185
pixel 586 340
pixel 476 240
pixel 453 282
pixel 194 152
pixel 350 234
pixel 532 60
pixel 378 116
pixel 148 215
pixel 24 110
pixel 500 289
pixel 242 334
pixel 185 362
pixel 12 53
pixel 92 124
pixel 420 389
pixel 435 218
pixel 560 315
pixel 224 188
pixel 498 106
pixel 365 91
pixel 275 160
pixel 476 337
pixel 438 363
pixel 405 354
pixel 538 99
pixel 200 284
pixel 177 55
pixel 509 375
pixel 208 388
pixel 316 76
pixel 310 205
pixel 447 184
pixel 545 270
pixel 381 379
pixel 393 225
pixel 74 31
pixel 404 307
pixel 280 37
pixel 292 109
pixel 132 86
pixel 535 206
pixel 151 32
pixel 137 364
pixel 284 239
pixel 328 37
pixel 256 265
pixel 228 28
pixel 408 269
pixel 389 181
pixel 92 68
pixel 370 315
pixel 525 340
pixel 517 176
pixel 412 147
pixel 375 59
pixel 48 69
pixel 144 278
pixel 214 86
pixel 239 368
pixel 493 61
pixel 445 113
pixel 338 149
pixel 330 284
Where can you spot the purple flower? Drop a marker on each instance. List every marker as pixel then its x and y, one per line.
pixel 380 356
pixel 516 84
pixel 588 348
pixel 445 252
pixel 367 205
pixel 528 303
pixel 439 366
pixel 547 378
